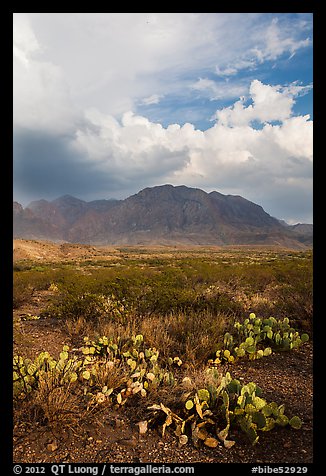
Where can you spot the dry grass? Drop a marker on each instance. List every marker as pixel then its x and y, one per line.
pixel 156 335
pixel 18 333
pixel 191 336
pixel 109 375
pixel 116 329
pixel 54 405
pixel 77 329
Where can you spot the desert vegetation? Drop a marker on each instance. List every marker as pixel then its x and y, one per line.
pixel 160 336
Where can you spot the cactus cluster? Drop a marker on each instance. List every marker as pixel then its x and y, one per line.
pixel 137 364
pixel 253 413
pixel 27 373
pixel 210 414
pixel 207 415
pixel 53 287
pixel 257 338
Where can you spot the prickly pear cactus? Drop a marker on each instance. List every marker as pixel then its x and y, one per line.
pixel 255 338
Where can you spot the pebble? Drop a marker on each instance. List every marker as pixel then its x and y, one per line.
pixel 52 446
pixel 127 442
pixel 142 427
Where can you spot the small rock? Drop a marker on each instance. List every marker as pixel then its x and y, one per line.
pixel 52 446
pixel 142 427
pixel 128 442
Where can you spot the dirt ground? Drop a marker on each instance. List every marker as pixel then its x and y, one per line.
pixel 114 435
pixel 46 251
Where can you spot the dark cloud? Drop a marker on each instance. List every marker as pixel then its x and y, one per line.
pixel 46 166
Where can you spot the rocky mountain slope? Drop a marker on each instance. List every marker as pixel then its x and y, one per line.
pixel 163 214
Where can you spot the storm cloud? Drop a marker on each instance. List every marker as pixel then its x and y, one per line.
pixel 46 166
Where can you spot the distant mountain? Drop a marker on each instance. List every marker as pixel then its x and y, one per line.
pixel 303 228
pixel 163 214
pixel 304 232
pixel 27 224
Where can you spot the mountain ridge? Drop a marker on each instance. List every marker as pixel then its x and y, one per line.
pixel 161 214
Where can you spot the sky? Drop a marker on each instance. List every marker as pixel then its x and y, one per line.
pixel 106 104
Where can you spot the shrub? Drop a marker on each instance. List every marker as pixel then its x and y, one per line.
pixel 73 304
pixel 22 293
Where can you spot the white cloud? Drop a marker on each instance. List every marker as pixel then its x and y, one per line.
pixel 229 153
pixel 268 43
pixel 153 99
pixel 236 66
pixel 116 61
pixel 41 96
pixel 113 61
pixel 269 103
pixel 220 89
pixel 277 41
pixel 24 40
pixel 294 137
pixel 296 89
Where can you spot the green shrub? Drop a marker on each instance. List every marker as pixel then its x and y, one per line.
pixel 72 304
pixel 22 293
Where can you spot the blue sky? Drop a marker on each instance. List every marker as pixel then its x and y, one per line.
pixel 107 104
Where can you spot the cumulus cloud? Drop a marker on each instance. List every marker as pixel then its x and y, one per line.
pixel 120 156
pixel 230 151
pixel 135 146
pixel 269 103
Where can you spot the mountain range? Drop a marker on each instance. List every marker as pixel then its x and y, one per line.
pixel 164 214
